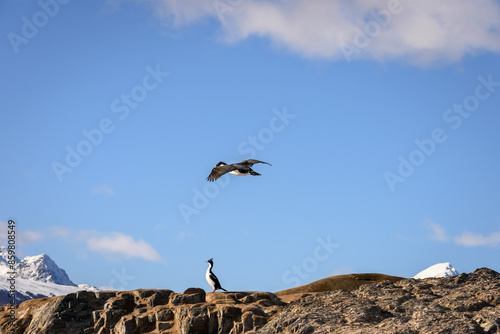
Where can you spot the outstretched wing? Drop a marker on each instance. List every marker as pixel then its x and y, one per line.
pixel 251 162
pixel 219 171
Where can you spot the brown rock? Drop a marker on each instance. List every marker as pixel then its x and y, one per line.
pixel 462 304
pixel 160 297
pixel 181 298
pixel 142 311
pixel 198 291
pixel 468 303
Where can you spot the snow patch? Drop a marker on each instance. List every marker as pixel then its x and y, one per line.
pixel 438 270
pixel 28 289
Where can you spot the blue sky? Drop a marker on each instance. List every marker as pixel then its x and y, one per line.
pixel 380 120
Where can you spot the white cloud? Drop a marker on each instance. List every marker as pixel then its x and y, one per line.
pixel 111 244
pixel 104 190
pixel 22 237
pixel 29 236
pixel 124 245
pixel 57 231
pixel 471 239
pixel 420 32
pixel 438 233
pixel 467 238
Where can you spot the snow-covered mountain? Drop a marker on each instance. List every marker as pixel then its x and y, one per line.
pixel 37 268
pixel 4 256
pixel 36 277
pixel 42 268
pixel 29 289
pixel 438 270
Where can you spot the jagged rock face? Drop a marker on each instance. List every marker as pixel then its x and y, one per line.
pixel 468 303
pixel 144 311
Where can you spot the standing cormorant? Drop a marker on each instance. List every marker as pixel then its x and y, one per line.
pixel 211 278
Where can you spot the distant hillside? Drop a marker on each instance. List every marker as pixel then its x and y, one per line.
pixel 341 282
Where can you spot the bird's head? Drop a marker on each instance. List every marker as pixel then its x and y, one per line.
pixel 210 261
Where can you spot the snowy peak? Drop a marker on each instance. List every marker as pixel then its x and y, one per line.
pixel 438 270
pixel 37 268
pixel 36 277
pixel 42 268
pixel 4 255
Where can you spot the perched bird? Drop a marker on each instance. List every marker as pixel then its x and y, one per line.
pixel 211 278
pixel 240 168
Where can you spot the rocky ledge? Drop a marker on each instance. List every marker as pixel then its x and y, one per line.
pixel 143 311
pixel 468 303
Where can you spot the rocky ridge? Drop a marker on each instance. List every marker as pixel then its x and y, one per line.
pixel 467 303
pixel 144 311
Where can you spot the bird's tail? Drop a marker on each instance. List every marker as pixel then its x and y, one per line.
pixel 223 289
pixel 254 173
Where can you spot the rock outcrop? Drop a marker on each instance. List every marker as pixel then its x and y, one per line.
pixel 467 303
pixel 143 311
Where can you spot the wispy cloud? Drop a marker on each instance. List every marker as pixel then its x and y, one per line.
pixel 123 245
pixel 469 239
pixel 112 244
pixel 23 237
pixel 29 236
pixel 472 239
pixel 59 232
pixel 421 31
pixel 103 190
pixel 438 233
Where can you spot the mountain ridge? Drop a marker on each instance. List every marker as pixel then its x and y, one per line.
pixel 35 277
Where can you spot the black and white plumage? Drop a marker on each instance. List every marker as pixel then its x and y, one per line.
pixel 211 278
pixel 240 168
